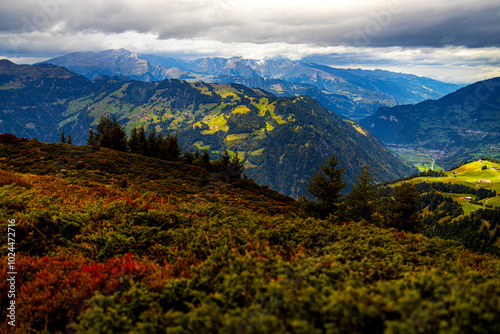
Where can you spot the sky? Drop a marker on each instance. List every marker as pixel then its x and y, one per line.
pixel 454 41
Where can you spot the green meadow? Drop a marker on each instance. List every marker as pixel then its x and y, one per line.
pixel 472 175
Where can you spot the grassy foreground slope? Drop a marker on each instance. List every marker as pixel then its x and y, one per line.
pixel 108 242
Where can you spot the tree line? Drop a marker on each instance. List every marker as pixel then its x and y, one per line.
pixel 449 187
pixel 427 173
pixel 363 203
pixel 472 231
pixel 110 134
pixel 325 186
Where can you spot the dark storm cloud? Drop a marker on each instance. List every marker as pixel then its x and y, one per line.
pixel 474 27
pixel 325 23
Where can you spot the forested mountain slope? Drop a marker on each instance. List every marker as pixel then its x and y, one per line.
pixel 281 139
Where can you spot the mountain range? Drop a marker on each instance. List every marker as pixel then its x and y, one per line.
pixel 350 93
pixel 282 139
pixel 459 126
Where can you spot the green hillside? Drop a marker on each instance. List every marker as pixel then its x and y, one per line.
pixel 476 175
pixel 121 243
pixel 461 204
pixel 282 140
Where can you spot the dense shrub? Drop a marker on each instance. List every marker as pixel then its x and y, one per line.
pixel 177 251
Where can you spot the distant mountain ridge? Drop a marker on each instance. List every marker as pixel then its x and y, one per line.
pixel 281 139
pixel 460 126
pixel 111 63
pixel 365 90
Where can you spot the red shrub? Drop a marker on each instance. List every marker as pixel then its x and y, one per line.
pixel 52 290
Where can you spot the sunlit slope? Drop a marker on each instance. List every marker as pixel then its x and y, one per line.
pixel 476 175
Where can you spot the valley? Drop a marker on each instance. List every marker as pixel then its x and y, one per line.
pixel 423 161
pixel 460 126
pixel 281 139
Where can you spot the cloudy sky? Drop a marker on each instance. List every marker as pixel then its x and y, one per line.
pixel 451 40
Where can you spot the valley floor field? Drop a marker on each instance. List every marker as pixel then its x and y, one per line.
pixel 420 160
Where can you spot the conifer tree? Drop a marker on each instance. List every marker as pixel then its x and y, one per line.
pixel 169 148
pixel 402 208
pixel 174 148
pixel 63 138
pixel 221 164
pixel 103 133
pixel 142 147
pixel 325 186
pixel 231 168
pixel 153 143
pixel 202 159
pixel 197 153
pixel 109 133
pixel 235 167
pixel 188 156
pixel 205 159
pixel 133 141
pixel 91 140
pixel 119 137
pixel 69 140
pixel 361 201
